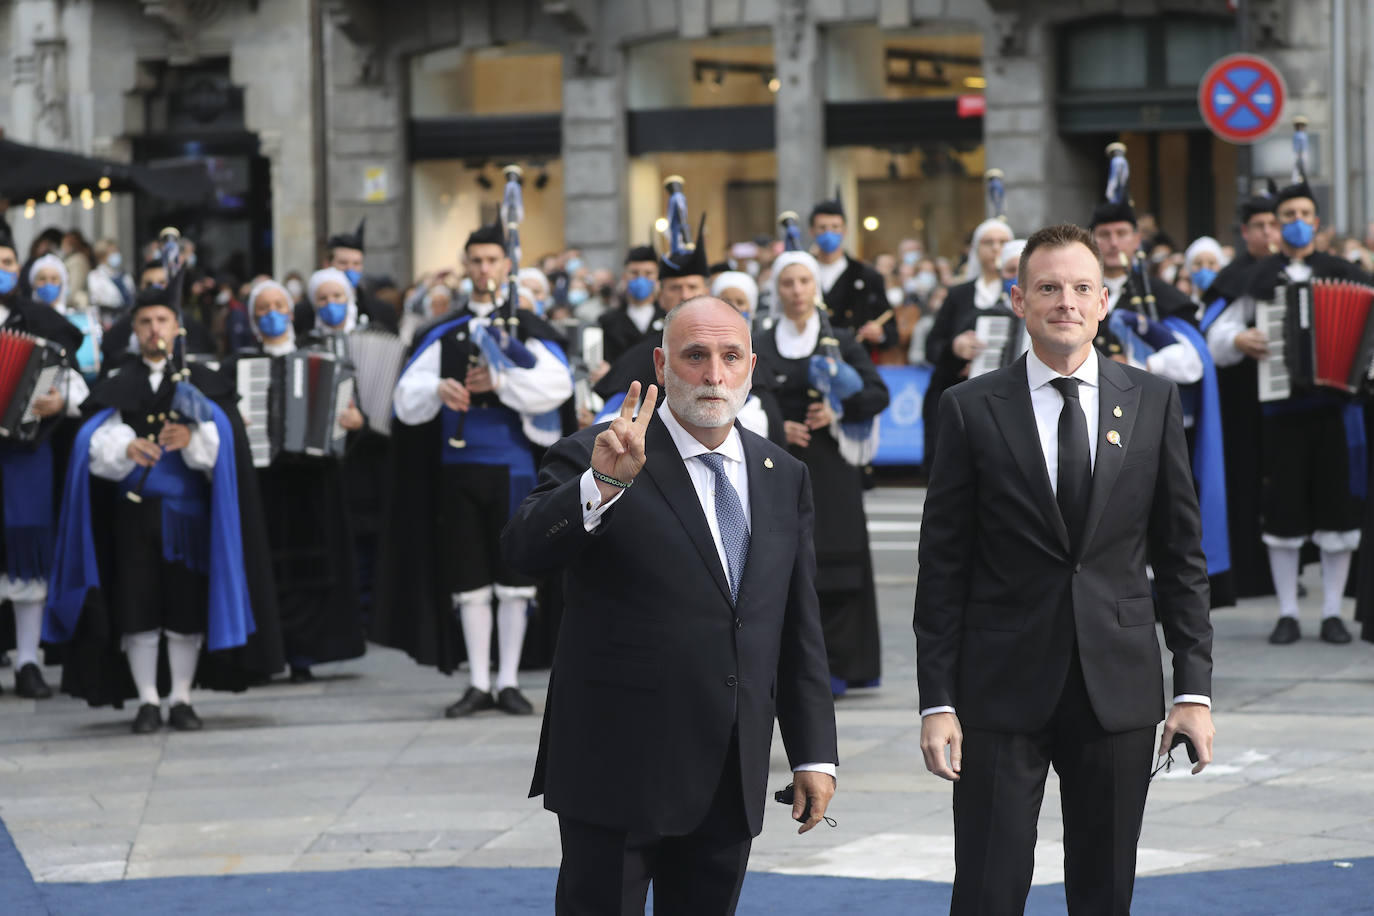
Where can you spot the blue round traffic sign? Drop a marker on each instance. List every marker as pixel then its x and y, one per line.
pixel 1241 97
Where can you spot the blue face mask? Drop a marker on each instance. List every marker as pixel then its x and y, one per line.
pixel 1298 233
pixel 7 280
pixel 640 288
pixel 48 292
pixel 1203 277
pixel 573 266
pixel 829 242
pixel 272 324
pixel 911 257
pixel 577 296
pixel 334 313
pixel 353 276
pixel 1007 284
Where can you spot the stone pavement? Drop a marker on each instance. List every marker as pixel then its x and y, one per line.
pixel 359 769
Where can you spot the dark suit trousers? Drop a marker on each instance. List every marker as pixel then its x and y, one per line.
pixel 1103 779
pixel 607 871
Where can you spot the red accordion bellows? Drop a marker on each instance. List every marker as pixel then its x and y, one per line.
pixel 16 349
pixel 1340 326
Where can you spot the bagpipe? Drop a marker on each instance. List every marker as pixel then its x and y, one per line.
pixel 496 344
pixel 189 406
pixel 831 380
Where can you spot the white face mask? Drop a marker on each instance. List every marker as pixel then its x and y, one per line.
pixel 115 261
pixel 293 286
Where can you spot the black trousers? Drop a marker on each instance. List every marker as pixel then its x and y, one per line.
pixel 607 872
pixel 154 594
pixel 1103 778
pixel 474 506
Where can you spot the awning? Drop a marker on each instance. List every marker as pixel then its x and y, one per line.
pixel 31 172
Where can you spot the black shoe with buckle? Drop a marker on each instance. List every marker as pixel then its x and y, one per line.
pixel 183 718
pixel 511 700
pixel 1334 631
pixel 472 701
pixel 148 720
pixel 29 682
pixel 1285 631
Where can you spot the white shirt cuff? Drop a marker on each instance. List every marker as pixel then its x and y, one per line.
pixel 827 768
pixel 592 506
pixel 932 710
pixel 1193 698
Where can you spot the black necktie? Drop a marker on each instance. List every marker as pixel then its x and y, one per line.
pixel 1075 461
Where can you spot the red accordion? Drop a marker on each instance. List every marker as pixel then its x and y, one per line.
pixel 28 369
pixel 1321 334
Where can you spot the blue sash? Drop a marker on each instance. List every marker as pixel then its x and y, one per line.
pixel 1209 462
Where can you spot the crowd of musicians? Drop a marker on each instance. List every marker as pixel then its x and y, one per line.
pixel 210 485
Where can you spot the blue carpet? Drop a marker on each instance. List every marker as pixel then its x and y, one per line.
pixel 1286 890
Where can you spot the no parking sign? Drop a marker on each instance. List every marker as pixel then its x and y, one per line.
pixel 1241 97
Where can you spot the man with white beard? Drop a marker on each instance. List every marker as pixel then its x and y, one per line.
pixel 683 636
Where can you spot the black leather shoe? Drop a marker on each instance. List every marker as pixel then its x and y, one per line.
pixel 4 659
pixel 148 720
pixel 512 701
pixel 301 675
pixel 473 700
pixel 1334 631
pixel 1285 631
pixel 183 718
pixel 29 681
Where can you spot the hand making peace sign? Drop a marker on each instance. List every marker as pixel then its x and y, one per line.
pixel 619 449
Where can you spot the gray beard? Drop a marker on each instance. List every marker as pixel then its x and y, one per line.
pixel 682 399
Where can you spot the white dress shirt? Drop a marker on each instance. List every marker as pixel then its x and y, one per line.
pixel 1240 315
pixel 110 443
pixel 704 482
pixel 832 272
pixel 1047 402
pixel 641 315
pixel 1179 362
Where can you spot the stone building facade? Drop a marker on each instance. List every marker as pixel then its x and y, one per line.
pixel 327 88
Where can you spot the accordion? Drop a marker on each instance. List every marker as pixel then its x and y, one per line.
pixel 29 368
pixel 293 404
pixel 377 358
pixel 1321 335
pixel 1002 333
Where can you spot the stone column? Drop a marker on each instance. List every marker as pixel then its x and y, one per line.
pixel 799 106
pixel 266 60
pixel 593 165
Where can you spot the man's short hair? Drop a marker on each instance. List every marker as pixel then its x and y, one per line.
pixel 704 297
pixel 1060 236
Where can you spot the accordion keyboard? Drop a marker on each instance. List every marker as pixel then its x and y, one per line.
pixel 995 332
pixel 1275 382
pixel 255 385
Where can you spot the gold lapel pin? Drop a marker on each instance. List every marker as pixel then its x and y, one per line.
pixel 768 462
pixel 1114 437
pixel 1116 412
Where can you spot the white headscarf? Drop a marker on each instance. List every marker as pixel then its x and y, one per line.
pixel 537 275
pixel 974 269
pixel 333 274
pixel 1205 244
pixel 261 287
pixel 736 279
pixel 52 260
pixel 781 263
pixel 1012 250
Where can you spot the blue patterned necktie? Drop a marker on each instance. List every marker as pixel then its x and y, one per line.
pixel 734 530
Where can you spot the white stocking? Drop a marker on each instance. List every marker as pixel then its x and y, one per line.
pixel 1335 570
pixel 141 650
pixel 512 615
pixel 28 630
pixel 1283 565
pixel 474 610
pixel 183 654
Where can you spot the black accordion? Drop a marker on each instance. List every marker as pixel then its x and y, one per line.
pixel 1001 332
pixel 292 404
pixel 1321 335
pixel 29 368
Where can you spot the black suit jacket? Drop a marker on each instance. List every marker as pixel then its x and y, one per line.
pixel 1001 601
pixel 620 332
pixel 654 667
pixel 860 295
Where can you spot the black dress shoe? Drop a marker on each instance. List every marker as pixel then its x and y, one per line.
pixel 183 718
pixel 1285 631
pixel 29 681
pixel 301 675
pixel 148 720
pixel 473 700
pixel 4 659
pixel 511 700
pixel 1334 631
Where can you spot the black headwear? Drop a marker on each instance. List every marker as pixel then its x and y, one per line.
pixel 687 263
pixel 641 253
pixel 7 237
pixel 171 294
pixel 490 234
pixel 1116 207
pixel 1258 203
pixel 348 240
pixel 832 207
